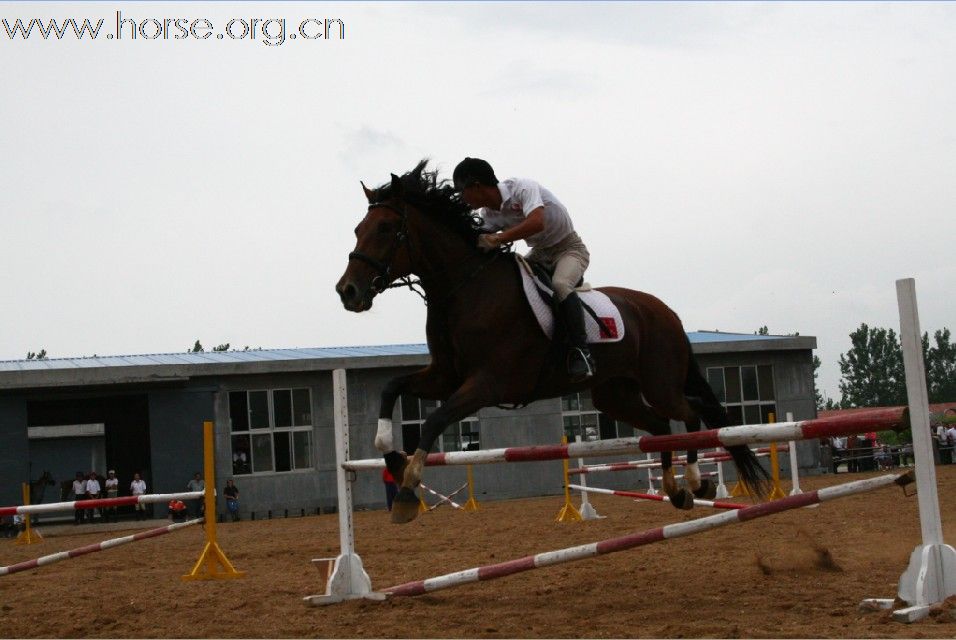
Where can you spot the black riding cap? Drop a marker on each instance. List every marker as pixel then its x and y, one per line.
pixel 472 170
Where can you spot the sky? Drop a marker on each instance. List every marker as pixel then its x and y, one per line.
pixel 751 164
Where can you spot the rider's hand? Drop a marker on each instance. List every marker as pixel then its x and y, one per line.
pixel 488 241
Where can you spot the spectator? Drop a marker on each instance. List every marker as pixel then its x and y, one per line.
pixel 78 493
pixel 112 491
pixel 93 490
pixel 137 488
pixel 232 499
pixel 939 440
pixel 177 511
pixel 391 489
pixel 197 484
pixel 951 442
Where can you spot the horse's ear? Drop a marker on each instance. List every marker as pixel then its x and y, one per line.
pixel 398 189
pixel 369 194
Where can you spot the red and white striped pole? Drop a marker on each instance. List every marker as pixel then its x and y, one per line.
pixel 92 548
pixel 891 418
pixel 53 507
pixel 612 545
pixel 715 504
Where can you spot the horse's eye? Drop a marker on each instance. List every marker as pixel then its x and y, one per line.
pixel 384 228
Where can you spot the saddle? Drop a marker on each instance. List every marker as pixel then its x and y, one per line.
pixel 602 319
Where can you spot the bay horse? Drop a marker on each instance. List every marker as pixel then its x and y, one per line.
pixel 487 348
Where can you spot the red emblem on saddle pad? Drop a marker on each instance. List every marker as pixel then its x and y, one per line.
pixel 610 328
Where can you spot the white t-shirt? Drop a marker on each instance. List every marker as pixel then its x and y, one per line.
pixel 951 435
pixel 79 487
pixel 519 197
pixel 112 485
pixel 93 486
pixel 137 487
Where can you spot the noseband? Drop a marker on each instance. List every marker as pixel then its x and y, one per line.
pixel 384 267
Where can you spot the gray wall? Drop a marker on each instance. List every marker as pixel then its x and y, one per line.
pixel 14 449
pixel 175 436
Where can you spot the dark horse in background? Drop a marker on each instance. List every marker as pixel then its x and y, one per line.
pixel 487 348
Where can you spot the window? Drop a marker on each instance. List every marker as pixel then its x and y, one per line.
pixel 747 392
pixel 271 430
pixel 461 436
pixel 582 419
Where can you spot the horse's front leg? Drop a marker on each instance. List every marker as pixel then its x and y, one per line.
pixel 429 384
pixel 468 399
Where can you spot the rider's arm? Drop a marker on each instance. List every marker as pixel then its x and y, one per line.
pixel 532 224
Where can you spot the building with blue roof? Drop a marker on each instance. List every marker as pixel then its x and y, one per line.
pixel 272 410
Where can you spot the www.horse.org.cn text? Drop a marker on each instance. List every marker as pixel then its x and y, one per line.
pixel 271 32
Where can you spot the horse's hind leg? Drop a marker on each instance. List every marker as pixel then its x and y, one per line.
pixel 702 488
pixel 621 399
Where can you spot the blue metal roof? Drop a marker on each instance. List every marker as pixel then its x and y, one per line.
pixel 214 357
pixel 285 355
pixel 700 337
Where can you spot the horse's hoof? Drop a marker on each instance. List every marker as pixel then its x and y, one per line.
pixel 405 506
pixel 707 490
pixel 683 499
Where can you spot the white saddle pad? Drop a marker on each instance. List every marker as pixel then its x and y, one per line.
pixel 603 308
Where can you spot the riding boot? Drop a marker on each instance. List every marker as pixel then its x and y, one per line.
pixel 580 363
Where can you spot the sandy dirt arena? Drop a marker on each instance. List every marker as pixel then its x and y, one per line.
pixel 797 574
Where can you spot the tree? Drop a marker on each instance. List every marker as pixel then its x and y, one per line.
pixel 222 347
pixel 817 396
pixel 872 370
pixel 940 366
pixel 762 331
pixel 40 355
pixel 197 348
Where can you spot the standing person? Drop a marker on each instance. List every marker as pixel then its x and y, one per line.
pixel 522 209
pixel 79 492
pixel 112 491
pixel 232 499
pixel 137 488
pixel 197 484
pixel 391 489
pixel 93 490
pixel 951 442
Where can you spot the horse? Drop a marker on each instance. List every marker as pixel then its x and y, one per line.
pixel 487 348
pixel 38 487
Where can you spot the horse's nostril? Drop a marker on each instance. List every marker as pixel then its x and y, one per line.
pixel 348 292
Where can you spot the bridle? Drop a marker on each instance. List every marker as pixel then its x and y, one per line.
pixel 380 282
pixel 384 267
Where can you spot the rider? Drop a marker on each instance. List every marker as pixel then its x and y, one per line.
pixel 524 210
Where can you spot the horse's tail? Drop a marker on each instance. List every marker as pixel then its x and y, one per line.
pixel 703 398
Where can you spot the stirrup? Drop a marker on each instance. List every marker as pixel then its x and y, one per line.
pixel 575 355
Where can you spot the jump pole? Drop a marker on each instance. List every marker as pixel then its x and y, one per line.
pixel 568 513
pixel 715 504
pixel 212 563
pixel 56 507
pixel 92 548
pixel 587 510
pixel 931 574
pixel 28 535
pixel 889 418
pixel 650 536
pixel 472 504
pixel 794 468
pixel 345 577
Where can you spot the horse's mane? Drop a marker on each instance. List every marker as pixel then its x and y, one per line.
pixel 436 199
